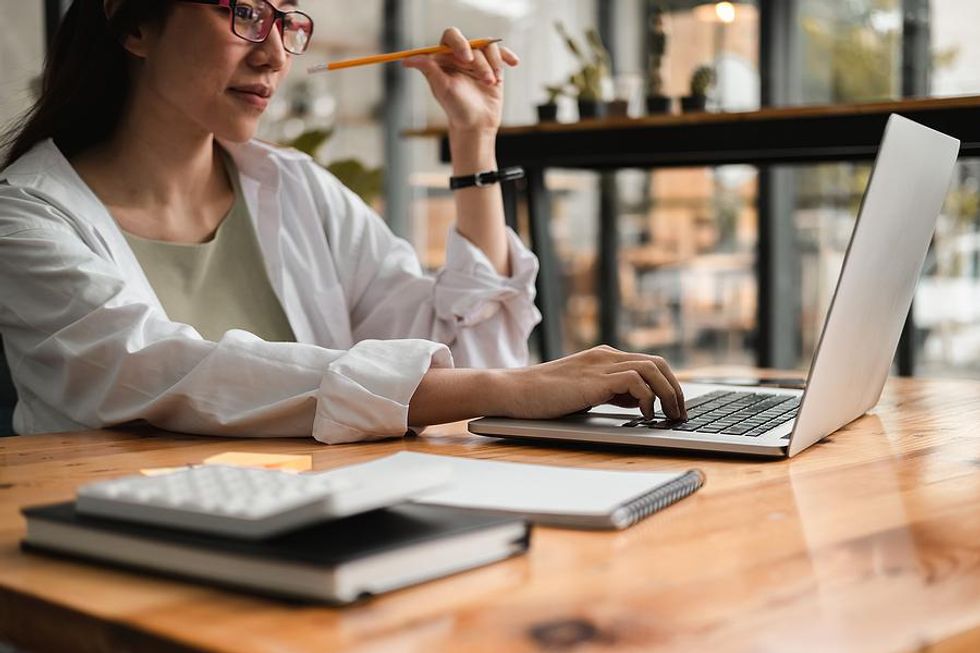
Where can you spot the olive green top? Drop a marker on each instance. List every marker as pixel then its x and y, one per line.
pixel 217 285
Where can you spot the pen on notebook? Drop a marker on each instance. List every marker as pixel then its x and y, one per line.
pixel 476 44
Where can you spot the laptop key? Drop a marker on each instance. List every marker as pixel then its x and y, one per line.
pixel 688 427
pixel 710 428
pixel 664 424
pixel 702 399
pixel 737 430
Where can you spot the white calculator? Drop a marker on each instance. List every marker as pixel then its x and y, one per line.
pixel 253 503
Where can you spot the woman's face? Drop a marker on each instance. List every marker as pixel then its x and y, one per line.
pixel 199 71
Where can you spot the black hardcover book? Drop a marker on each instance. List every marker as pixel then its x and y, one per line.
pixel 338 561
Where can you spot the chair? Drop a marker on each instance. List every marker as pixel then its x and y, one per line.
pixel 8 397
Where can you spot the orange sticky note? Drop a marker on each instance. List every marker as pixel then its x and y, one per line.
pixel 157 471
pixel 285 462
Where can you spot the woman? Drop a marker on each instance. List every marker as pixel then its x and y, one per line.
pixel 160 265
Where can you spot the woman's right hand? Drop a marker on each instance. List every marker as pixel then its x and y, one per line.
pixel 601 375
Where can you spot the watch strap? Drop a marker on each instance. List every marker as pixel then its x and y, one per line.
pixel 487 178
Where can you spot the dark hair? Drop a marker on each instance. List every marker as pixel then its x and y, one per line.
pixel 86 78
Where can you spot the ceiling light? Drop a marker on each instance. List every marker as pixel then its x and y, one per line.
pixel 716 12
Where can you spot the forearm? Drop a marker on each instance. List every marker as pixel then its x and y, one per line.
pixel 480 211
pixel 450 395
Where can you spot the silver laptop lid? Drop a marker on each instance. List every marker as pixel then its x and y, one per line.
pixel 905 193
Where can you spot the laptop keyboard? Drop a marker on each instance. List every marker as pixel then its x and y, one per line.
pixel 729 413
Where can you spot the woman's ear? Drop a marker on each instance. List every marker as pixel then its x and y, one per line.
pixel 137 42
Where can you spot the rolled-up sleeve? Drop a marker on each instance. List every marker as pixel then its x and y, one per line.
pixel 469 290
pixel 365 393
pixel 493 315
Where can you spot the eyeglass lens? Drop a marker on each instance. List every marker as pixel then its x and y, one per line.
pixel 254 19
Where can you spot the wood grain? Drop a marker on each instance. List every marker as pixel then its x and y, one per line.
pixel 869 541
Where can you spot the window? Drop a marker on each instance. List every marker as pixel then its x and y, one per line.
pixel 22 53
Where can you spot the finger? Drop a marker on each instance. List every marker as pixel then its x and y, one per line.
pixel 632 383
pixel 508 56
pixel 482 68
pixel 494 58
pixel 669 399
pixel 666 372
pixel 418 62
pixel 623 401
pixel 658 382
pixel 455 40
pixel 448 63
pixel 434 75
pixel 672 379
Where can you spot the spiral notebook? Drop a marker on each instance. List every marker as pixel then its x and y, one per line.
pixel 568 497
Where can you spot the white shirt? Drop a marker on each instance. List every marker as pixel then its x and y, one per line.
pixel 89 344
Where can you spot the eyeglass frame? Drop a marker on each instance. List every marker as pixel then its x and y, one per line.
pixel 279 17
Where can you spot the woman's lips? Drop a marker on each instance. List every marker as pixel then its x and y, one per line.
pixel 255 97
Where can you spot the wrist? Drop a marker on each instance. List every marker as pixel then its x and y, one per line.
pixel 501 386
pixel 472 151
pixel 469 133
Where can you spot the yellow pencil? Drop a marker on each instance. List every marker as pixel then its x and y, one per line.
pixel 476 44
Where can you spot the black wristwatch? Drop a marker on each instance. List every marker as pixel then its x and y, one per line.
pixel 487 178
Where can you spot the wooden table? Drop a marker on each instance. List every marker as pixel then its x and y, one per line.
pixel 867 542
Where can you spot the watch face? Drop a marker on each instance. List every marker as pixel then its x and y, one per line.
pixel 485 178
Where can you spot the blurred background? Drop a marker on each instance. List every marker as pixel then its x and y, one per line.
pixel 688 238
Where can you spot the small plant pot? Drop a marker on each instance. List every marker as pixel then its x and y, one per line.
pixel 548 112
pixel 693 103
pixel 618 108
pixel 591 109
pixel 657 104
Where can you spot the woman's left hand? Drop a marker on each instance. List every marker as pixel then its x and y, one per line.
pixel 467 83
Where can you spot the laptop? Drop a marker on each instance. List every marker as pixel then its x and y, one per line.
pixel 906 190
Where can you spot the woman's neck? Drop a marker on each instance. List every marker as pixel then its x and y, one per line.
pixel 160 177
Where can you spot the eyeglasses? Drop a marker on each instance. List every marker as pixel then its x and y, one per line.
pixel 253 20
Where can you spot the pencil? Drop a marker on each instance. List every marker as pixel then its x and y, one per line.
pixel 476 44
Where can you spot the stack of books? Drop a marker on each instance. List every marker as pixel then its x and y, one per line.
pixel 334 537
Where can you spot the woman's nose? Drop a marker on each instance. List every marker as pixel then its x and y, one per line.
pixel 271 52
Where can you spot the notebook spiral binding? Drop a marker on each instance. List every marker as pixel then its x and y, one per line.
pixel 647 504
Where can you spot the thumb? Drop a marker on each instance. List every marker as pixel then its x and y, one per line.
pixel 426 65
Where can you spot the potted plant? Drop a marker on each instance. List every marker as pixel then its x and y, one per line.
pixel 618 107
pixel 657 102
pixel 701 81
pixel 548 112
pixel 589 79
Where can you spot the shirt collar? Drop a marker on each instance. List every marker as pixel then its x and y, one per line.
pixel 45 170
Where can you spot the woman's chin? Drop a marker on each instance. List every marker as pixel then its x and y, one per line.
pixel 241 133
